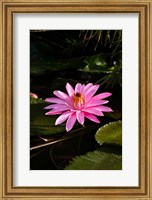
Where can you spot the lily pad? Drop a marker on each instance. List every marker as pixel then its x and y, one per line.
pixel 110 133
pixel 42 124
pixel 96 160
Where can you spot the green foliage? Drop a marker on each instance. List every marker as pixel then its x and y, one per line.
pixel 36 101
pixel 42 124
pixel 107 157
pixel 110 133
pixel 96 160
pixel 43 65
pixel 72 50
pixel 95 64
pixel 113 75
pixel 106 38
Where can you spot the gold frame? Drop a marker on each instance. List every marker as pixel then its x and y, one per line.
pixel 7 9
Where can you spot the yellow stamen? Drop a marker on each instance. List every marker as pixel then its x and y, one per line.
pixel 78 99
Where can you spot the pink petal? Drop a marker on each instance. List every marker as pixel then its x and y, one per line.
pixel 78 88
pixel 90 92
pixel 88 86
pixel 82 89
pixel 80 117
pixel 94 110
pixel 69 89
pixel 105 109
pixel 71 121
pixel 61 94
pixel 92 103
pixel 91 117
pixel 62 117
pixel 56 106
pixel 102 96
pixel 51 106
pixel 53 113
pixel 60 109
pixel 55 100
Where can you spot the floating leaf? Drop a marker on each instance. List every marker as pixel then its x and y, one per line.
pixel 95 64
pixel 42 124
pixel 96 160
pixel 110 133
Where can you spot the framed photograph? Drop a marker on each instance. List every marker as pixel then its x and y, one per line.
pixel 75 99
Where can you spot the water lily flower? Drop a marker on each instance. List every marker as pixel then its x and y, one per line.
pixel 79 103
pixel 33 95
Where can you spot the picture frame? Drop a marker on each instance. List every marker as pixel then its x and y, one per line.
pixel 8 9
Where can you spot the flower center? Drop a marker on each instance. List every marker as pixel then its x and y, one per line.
pixel 78 100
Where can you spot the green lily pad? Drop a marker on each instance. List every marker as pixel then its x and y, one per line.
pixel 96 160
pixel 110 133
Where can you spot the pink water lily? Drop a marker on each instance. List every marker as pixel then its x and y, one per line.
pixel 33 95
pixel 78 104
